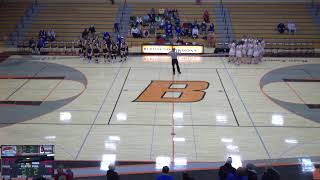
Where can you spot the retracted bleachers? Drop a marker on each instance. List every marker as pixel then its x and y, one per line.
pixel 261 19
pixel 10 16
pixel 188 12
pixel 68 20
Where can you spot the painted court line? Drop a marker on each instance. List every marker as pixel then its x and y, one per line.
pixel 104 100
pixel 224 90
pixel 114 107
pixel 252 122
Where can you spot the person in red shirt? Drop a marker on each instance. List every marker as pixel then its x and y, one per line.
pixel 59 174
pixel 69 174
pixel 206 17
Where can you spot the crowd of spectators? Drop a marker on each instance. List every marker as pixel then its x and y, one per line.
pixel 291 28
pixel 63 174
pixel 168 21
pixel 42 39
pixel 227 172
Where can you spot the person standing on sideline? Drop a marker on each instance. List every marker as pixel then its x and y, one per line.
pixel 111 173
pixel 165 174
pixel 174 56
pixel 226 169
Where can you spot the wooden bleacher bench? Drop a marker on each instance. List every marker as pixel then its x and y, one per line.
pixel 260 20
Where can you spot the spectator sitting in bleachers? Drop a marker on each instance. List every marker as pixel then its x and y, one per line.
pixel 178 31
pixel 32 45
pixel 211 28
pixel 51 35
pixel 206 17
pixel 204 28
pixel 85 34
pixel 166 14
pixel 195 32
pixel 158 19
pixel 176 14
pixel 195 24
pixel 139 20
pixel 43 35
pixel 177 21
pixel 169 33
pixel 152 18
pixel 135 32
pixel 152 28
pixel 146 19
pixel 41 43
pixel 291 28
pixel 146 33
pixel 106 35
pixel 179 41
pixel 161 40
pixel 211 39
pixel 281 28
pixel 169 29
pixel 116 27
pixel 162 24
pixel 92 30
pixel 152 12
pixel 161 11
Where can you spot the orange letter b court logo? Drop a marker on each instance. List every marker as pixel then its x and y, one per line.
pixel 174 91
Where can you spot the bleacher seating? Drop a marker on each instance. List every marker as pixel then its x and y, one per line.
pixel 68 20
pixel 10 15
pixel 260 20
pixel 188 12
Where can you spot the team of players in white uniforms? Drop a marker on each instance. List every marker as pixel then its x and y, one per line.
pixel 246 51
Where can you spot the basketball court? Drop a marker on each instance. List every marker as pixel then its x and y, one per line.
pixel 91 111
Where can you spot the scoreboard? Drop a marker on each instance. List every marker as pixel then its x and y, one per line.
pixel 24 161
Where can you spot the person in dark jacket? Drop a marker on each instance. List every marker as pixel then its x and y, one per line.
pixel 251 172
pixel 240 174
pixel 281 28
pixel 111 173
pixel 186 176
pixel 226 169
pixel 271 174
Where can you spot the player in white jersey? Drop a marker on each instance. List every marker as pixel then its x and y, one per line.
pixel 244 51
pixel 232 51
pixel 250 52
pixel 238 54
pixel 256 53
pixel 263 45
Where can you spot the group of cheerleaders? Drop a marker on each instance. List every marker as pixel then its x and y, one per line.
pixel 246 51
pixel 94 48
